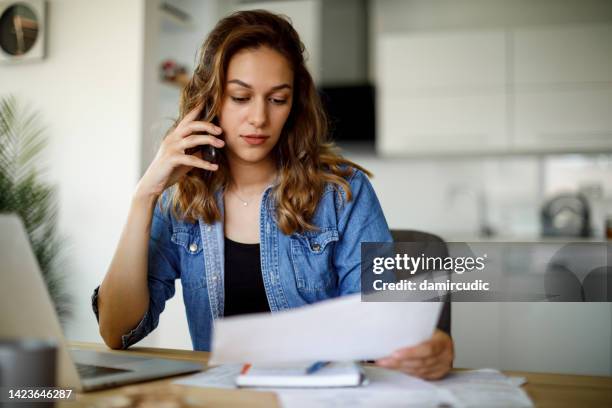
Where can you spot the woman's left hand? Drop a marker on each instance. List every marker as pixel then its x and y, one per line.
pixel 430 360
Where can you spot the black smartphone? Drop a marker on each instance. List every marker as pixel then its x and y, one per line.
pixel 209 152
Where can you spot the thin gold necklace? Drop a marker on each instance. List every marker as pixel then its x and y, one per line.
pixel 244 202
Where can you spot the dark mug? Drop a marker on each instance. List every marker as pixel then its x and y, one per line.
pixel 26 363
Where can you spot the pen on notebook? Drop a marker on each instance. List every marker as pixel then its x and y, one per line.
pixel 245 369
pixel 316 367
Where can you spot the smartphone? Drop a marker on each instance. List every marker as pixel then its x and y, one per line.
pixel 209 152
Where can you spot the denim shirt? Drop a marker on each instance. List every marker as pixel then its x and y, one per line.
pixel 297 269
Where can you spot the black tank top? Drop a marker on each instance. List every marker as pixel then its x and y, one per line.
pixel 244 287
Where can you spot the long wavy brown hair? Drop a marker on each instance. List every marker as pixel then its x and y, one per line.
pixel 304 157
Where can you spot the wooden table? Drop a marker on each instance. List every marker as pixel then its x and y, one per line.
pixel 546 390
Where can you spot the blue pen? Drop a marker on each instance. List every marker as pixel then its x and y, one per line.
pixel 316 367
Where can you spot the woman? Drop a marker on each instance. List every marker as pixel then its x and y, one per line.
pixel 275 224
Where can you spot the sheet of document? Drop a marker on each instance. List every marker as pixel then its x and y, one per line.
pixel 388 388
pixel 485 388
pixel 223 376
pixel 342 329
pixel 384 388
pixel 378 378
pixel 341 398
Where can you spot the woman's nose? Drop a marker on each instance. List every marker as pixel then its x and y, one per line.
pixel 258 114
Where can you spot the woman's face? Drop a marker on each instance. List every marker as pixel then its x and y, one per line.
pixel 256 103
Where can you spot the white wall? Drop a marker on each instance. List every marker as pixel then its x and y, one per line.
pixel 88 90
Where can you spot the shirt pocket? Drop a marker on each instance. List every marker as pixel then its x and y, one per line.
pixel 189 245
pixel 312 255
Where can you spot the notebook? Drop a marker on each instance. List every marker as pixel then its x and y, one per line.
pixel 337 374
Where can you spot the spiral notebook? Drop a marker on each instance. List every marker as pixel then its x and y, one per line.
pixel 337 374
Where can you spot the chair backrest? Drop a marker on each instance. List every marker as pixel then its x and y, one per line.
pixel 444 323
pixel 439 249
pixel 414 236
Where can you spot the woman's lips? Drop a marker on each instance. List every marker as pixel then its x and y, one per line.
pixel 254 139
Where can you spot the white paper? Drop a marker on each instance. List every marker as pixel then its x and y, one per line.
pixel 337 398
pixel 388 388
pixel 489 395
pixel 341 329
pixel 517 381
pixel 480 376
pixel 223 376
pixel 378 378
pixel 385 379
pixel 385 388
pixel 485 388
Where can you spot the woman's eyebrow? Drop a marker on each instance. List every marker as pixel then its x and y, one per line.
pixel 245 85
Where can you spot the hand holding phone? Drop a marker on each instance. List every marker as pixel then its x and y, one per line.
pixel 176 155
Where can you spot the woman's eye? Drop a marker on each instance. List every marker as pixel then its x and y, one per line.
pixel 278 101
pixel 239 99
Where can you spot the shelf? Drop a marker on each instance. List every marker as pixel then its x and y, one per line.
pixel 173 18
pixel 180 81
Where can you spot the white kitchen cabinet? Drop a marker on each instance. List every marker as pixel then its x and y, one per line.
pixel 555 55
pixel 544 89
pixel 449 60
pixel 441 92
pixel 564 120
pixel 563 88
pixel 442 124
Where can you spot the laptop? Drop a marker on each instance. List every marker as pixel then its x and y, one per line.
pixel 26 311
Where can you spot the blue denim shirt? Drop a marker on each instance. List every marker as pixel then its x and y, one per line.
pixel 297 269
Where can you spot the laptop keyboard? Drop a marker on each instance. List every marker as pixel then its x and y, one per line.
pixel 91 371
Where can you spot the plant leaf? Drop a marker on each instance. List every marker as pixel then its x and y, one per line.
pixel 21 142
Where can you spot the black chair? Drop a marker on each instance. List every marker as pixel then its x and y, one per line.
pixel 440 249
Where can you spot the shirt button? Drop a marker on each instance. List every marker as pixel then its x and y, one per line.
pixel 316 247
pixel 208 228
pixel 193 247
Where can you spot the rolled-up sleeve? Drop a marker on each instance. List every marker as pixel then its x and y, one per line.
pixel 163 270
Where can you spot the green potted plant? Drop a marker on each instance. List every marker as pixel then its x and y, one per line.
pixel 22 192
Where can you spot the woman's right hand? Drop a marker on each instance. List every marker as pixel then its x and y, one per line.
pixel 171 163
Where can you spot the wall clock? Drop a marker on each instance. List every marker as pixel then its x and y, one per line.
pixel 22 30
